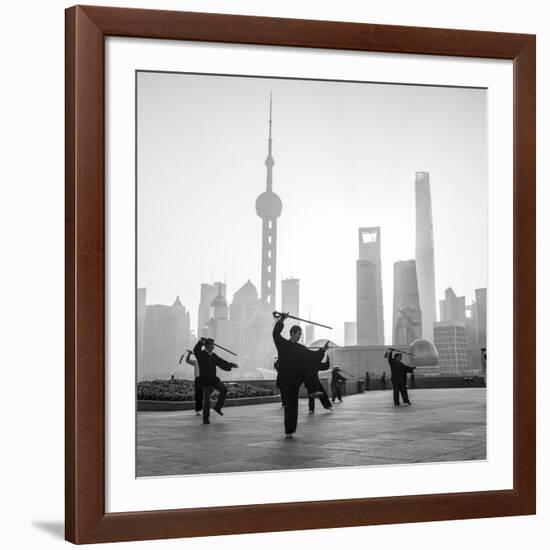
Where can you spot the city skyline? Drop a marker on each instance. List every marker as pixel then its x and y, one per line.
pixel 162 286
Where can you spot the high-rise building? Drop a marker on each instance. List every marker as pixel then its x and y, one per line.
pixel 166 335
pixel 370 308
pixel 218 306
pixel 450 341
pixel 425 266
pixel 182 320
pixel 407 316
pixel 471 332
pixel 290 296
pixel 350 333
pixel 208 293
pixel 269 207
pixel 481 317
pixel 242 310
pixel 310 334
pixel 452 308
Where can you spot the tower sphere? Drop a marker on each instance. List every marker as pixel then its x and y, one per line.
pixel 269 205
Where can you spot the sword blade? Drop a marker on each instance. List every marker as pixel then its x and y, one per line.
pixel 225 349
pixel 308 321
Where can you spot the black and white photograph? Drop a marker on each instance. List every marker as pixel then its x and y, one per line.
pixel 311 274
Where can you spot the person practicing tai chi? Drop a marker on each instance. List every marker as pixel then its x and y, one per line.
pixel 208 361
pixel 294 369
pixel 325 401
pixel 336 384
pixel 398 376
pixel 198 384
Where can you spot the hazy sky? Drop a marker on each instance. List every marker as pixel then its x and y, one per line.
pixel 345 157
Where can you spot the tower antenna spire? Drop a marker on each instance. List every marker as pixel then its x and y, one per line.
pixel 269 141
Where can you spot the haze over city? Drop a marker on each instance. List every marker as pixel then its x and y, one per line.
pixel 345 157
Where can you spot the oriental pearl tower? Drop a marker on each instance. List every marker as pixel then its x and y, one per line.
pixel 269 208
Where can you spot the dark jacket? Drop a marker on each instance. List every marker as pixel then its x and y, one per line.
pixel 293 357
pixel 321 366
pixel 398 370
pixel 336 379
pixel 207 365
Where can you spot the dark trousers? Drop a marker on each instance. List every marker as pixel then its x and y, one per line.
pixel 222 389
pixel 399 387
pixel 198 394
pixel 308 375
pixel 289 393
pixel 325 401
pixel 336 393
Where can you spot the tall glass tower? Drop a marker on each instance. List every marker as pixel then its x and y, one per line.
pixel 425 266
pixel 370 308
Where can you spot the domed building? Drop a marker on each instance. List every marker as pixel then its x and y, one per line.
pixel 425 358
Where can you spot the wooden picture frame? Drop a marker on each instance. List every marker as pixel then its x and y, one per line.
pixel 86 30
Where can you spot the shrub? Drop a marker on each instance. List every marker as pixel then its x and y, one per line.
pixel 184 390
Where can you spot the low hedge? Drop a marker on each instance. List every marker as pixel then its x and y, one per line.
pixel 184 390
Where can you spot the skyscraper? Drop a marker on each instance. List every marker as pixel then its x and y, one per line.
pixel 350 333
pixel 208 293
pixel 481 317
pixel 310 334
pixel 450 341
pixel 269 207
pixel 452 308
pixel 219 304
pixel 244 306
pixel 425 269
pixel 166 335
pixel 407 316
pixel 290 296
pixel 370 309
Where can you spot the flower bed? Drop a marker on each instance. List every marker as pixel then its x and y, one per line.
pixel 184 390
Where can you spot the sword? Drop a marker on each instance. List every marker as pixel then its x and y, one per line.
pixel 224 349
pixel 278 314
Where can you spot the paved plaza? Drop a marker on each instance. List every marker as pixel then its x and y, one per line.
pixel 366 429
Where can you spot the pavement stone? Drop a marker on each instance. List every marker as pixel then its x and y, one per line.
pixel 366 429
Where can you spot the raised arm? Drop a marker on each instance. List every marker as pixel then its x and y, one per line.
pixel 198 348
pixel 277 329
pixel 188 359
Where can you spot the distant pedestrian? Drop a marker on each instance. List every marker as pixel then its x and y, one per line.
pixel 383 380
pixel 208 361
pixel 367 381
pixel 336 383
